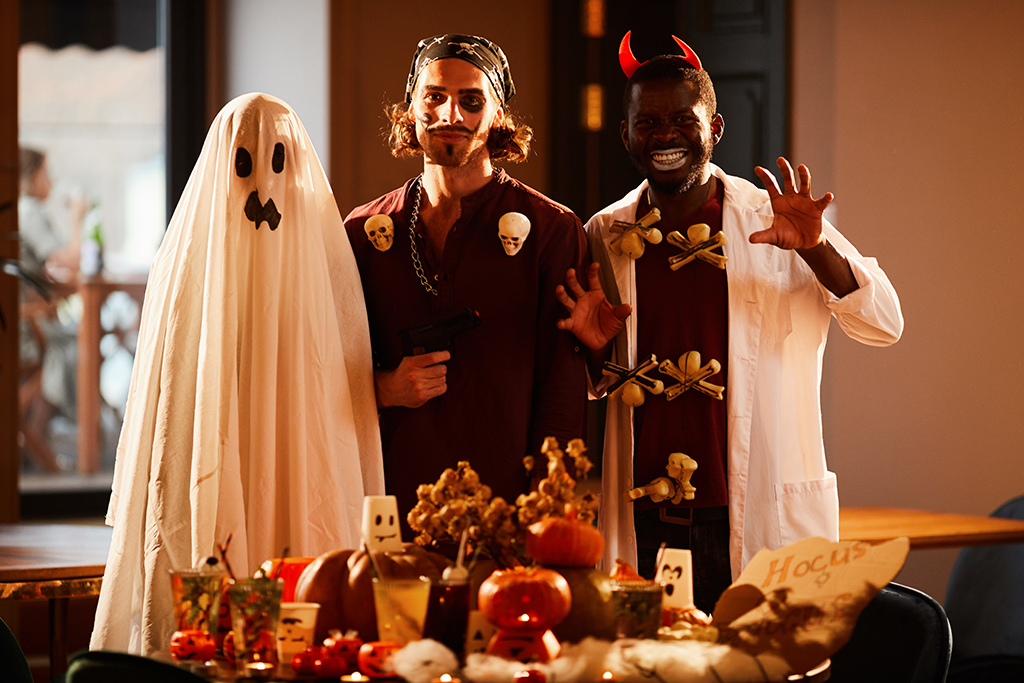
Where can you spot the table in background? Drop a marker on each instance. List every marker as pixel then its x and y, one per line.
pixel 94 291
pixel 54 562
pixel 927 529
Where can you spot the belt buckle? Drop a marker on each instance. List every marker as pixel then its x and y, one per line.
pixel 672 519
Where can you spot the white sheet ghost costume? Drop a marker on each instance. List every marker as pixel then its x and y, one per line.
pixel 251 410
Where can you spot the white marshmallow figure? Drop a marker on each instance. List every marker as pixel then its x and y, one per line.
pixel 675 571
pixel 381 530
pixel 380 230
pixel 513 228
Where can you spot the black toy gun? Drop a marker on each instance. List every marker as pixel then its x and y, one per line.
pixel 438 335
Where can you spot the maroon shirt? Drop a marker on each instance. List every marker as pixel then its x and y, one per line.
pixel 512 381
pixel 683 310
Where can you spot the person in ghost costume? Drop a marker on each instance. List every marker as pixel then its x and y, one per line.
pixel 251 411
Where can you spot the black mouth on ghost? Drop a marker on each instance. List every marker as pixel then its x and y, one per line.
pixel 257 212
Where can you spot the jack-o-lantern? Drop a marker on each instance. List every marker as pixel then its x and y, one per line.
pixel 193 644
pixel 341 581
pixel 524 598
pixel 345 649
pixel 564 542
pixel 228 647
pixel 524 603
pixel 376 658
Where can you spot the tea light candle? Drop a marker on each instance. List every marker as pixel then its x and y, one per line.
pixel 446 678
pixel 608 676
pixel 259 670
pixel 355 677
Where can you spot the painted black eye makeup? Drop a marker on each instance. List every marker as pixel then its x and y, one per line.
pixel 243 163
pixel 277 163
pixel 474 105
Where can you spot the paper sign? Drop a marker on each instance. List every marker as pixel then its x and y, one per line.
pixel 802 601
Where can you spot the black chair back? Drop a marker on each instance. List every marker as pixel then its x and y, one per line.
pixel 100 666
pixel 13 664
pixel 902 636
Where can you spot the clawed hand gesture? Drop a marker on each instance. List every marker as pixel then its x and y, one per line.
pixel 592 318
pixel 798 222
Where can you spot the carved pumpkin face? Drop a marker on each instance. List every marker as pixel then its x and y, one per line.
pixel 345 649
pixel 524 598
pixel 193 644
pixel 376 658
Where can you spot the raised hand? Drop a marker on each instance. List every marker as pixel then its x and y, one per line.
pixel 593 320
pixel 416 380
pixel 798 222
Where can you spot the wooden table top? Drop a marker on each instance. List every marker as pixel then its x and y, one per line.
pixel 927 529
pixel 49 552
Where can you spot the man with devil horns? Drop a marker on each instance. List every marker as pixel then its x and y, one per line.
pixel 466 235
pixel 732 289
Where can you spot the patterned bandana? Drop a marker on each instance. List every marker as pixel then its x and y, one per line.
pixel 480 52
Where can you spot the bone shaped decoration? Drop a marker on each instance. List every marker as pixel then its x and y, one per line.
pixel 380 230
pixel 698 243
pixel 513 229
pixel 630 383
pixel 631 240
pixel 676 485
pixel 691 375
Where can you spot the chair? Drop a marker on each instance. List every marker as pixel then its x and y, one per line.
pixel 985 604
pixel 101 666
pixel 12 660
pixel 902 636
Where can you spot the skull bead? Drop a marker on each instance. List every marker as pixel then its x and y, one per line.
pixel 380 230
pixel 513 229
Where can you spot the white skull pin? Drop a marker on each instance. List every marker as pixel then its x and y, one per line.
pixel 513 229
pixel 380 231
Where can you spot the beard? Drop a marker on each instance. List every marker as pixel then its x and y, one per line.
pixel 693 177
pixel 451 154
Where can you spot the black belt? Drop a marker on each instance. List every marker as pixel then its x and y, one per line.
pixel 685 516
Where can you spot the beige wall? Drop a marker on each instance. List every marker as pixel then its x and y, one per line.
pixel 911 112
pixel 369 69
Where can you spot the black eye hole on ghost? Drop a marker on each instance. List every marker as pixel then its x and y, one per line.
pixel 243 163
pixel 277 163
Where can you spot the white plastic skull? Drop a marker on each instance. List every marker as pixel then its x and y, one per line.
pixel 380 230
pixel 513 229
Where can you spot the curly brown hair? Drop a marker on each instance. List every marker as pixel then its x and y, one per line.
pixel 508 140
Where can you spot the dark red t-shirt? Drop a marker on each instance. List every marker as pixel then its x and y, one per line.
pixel 679 311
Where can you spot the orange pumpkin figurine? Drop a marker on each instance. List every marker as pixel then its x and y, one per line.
pixel 193 644
pixel 376 658
pixel 524 603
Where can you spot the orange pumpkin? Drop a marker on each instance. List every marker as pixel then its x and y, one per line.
pixel 376 658
pixel 340 581
pixel 525 598
pixel 192 644
pixel 290 570
pixel 564 542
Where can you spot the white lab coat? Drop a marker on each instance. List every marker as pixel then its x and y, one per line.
pixel 780 489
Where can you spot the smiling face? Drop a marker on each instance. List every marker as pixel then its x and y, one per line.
pixel 454 108
pixel 670 134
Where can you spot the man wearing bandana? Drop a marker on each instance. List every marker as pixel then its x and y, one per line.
pixel 501 388
pixel 753 289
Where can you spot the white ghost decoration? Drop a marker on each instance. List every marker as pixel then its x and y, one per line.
pixel 513 228
pixel 251 411
pixel 380 230
pixel 381 530
pixel 675 571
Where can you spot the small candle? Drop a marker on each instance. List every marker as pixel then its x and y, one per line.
pixel 259 669
pixel 355 677
pixel 446 678
pixel 608 676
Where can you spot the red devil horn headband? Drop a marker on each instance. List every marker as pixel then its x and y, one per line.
pixel 630 64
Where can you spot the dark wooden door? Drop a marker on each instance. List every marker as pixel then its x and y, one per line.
pixel 743 44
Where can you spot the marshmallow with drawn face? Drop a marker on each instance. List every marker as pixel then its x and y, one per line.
pixel 380 230
pixel 675 571
pixel 513 228
pixel 381 531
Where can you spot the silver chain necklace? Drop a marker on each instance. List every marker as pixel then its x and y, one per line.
pixel 412 237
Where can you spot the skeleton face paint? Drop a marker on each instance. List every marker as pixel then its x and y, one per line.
pixel 513 228
pixel 380 230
